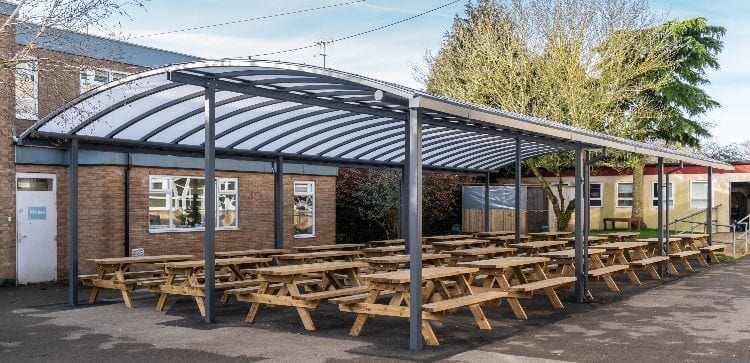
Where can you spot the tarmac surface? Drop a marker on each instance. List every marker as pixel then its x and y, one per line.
pixel 701 316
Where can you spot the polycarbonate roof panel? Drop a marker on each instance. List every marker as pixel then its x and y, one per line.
pixel 292 109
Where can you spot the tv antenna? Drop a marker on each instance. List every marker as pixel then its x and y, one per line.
pixel 322 44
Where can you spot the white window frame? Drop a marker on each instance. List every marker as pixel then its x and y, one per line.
pixel 705 197
pixel 617 195
pixel 655 201
pixel 90 73
pixel 168 191
pixel 601 192
pixel 31 66
pixel 314 209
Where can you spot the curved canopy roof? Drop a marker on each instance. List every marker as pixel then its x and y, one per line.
pixel 312 114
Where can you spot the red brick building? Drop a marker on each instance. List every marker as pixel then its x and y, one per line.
pixel 147 203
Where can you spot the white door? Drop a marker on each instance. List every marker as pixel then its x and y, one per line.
pixel 36 218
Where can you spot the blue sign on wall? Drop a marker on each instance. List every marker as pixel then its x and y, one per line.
pixel 38 213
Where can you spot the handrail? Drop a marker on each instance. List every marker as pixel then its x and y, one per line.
pixel 701 211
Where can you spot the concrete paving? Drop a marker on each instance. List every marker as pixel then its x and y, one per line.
pixel 702 316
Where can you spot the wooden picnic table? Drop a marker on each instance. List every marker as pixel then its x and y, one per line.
pixel 386 242
pixel 263 252
pixel 536 247
pixel 395 262
pixel 502 241
pixel 507 274
pixel 114 273
pixel 680 249
pixel 621 236
pixel 548 236
pixel 699 242
pixel 320 256
pixel 390 250
pixel 184 278
pixel 447 237
pixel 332 285
pixel 434 284
pixel 493 234
pixel 623 253
pixel 481 253
pixel 335 247
pixel 565 261
pixel 442 246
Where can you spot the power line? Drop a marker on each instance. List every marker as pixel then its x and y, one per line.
pixel 245 20
pixel 316 44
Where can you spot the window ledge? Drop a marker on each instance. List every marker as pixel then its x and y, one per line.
pixel 302 236
pixel 187 230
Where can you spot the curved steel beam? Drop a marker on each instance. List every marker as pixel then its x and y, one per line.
pixel 348 140
pixel 153 111
pixel 188 115
pixel 316 132
pixel 350 131
pixel 275 125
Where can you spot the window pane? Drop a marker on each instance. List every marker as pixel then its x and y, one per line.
pixel 303 214
pixel 159 184
pixel 227 210
pixel 595 191
pixel 699 189
pixel 158 213
pixel 118 75
pixel 625 190
pixel 101 76
pixel 595 203
pixel 34 184
pixel 302 188
pixel 187 202
pixel 624 202
pixel 227 185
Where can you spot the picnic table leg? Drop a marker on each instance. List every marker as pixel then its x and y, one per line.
pixel 120 276
pixel 476 310
pixel 427 333
pixel 515 305
pixel 359 322
pixel 701 260
pixel 611 284
pixel 303 313
pixel 253 312
pixel 554 299
pixel 631 274
pixel 163 296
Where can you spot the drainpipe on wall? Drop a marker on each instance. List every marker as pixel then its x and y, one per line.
pixel 126 243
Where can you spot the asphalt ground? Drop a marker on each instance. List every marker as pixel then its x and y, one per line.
pixel 700 316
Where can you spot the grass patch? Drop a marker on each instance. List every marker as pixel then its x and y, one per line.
pixel 724 258
pixel 645 233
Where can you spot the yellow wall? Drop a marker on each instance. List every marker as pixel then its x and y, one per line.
pixel 681 184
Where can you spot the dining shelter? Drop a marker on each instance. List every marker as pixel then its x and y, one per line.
pixel 293 113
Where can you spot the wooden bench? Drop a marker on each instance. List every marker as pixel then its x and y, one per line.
pixel 358 298
pixel 683 257
pixel 467 300
pixel 321 295
pixel 648 265
pixel 88 280
pixel 633 223
pixel 544 284
pixel 606 272
pixel 709 252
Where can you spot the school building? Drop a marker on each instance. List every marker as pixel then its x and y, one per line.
pixel 129 203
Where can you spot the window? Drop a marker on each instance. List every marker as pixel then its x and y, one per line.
pixel 655 195
pixel 27 90
pixel 304 209
pixel 698 194
pixel 595 194
pixel 624 195
pixel 176 203
pixel 92 78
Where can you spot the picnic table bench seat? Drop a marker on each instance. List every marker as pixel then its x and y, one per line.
pixel 684 256
pixel 607 270
pixel 466 300
pixel 322 295
pixel 649 262
pixel 543 284
pixel 357 298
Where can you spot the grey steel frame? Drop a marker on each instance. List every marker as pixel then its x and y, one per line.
pixel 209 220
pixel 73 225
pixel 413 165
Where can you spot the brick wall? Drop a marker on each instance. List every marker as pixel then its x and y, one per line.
pixel 7 166
pixel 101 209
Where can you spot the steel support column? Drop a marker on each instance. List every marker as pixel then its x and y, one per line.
pixel 278 198
pixel 586 215
pixel 209 220
pixel 73 225
pixel 580 291
pixel 666 210
pixel 660 209
pixel 403 206
pixel 709 206
pixel 517 176
pixel 487 202
pixel 413 164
